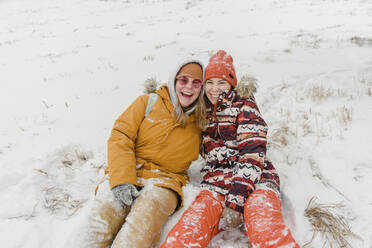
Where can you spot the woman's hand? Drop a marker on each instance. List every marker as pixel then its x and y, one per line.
pixel 125 193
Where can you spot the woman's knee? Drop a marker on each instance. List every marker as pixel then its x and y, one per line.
pixel 165 198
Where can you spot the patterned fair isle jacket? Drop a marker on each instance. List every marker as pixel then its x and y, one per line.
pixel 234 147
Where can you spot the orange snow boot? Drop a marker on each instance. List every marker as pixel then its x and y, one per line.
pixel 264 221
pixel 198 224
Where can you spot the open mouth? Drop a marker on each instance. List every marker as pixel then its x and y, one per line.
pixel 186 94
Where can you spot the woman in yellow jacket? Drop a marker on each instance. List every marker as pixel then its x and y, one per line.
pixel 151 146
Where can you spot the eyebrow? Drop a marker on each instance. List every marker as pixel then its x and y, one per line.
pixel 221 80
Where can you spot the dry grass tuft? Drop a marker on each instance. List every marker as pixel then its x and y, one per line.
pixel 306 40
pixel 66 179
pixel 76 155
pixel 41 171
pixel 82 156
pixel 345 115
pixel 332 227
pixel 280 135
pixel 148 58
pixel 56 200
pixel 361 41
pixel 306 127
pixel 320 93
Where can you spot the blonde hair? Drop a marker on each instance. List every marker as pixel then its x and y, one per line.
pixel 200 112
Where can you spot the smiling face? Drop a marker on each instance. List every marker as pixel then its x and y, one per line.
pixel 187 89
pixel 214 87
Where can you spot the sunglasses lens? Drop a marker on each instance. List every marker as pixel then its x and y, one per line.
pixel 183 80
pixel 196 83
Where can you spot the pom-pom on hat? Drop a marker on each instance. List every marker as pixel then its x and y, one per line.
pixel 221 66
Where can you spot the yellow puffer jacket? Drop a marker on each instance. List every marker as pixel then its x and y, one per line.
pixel 154 149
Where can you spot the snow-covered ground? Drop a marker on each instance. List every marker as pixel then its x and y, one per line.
pixel 68 68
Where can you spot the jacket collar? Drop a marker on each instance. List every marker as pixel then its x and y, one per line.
pixel 163 92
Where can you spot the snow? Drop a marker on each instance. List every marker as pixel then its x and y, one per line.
pixel 70 67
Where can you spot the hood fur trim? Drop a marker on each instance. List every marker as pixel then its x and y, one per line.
pixel 150 85
pixel 246 86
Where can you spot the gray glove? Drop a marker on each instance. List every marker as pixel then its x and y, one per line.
pixel 125 193
pixel 230 219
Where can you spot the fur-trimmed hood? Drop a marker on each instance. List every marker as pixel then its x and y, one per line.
pixel 246 87
pixel 150 85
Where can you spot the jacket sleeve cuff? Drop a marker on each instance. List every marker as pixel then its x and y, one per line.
pixel 238 195
pixel 267 185
pixel 116 181
pixel 234 206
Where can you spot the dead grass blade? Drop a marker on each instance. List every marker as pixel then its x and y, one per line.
pixel 333 227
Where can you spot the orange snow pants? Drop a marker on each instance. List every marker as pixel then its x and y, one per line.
pixel 264 221
pixel 198 224
pixel 262 216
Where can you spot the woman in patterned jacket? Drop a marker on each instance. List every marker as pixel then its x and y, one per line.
pixel 239 182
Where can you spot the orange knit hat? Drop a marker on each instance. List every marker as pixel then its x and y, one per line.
pixel 221 66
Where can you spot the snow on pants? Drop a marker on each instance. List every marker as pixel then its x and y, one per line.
pixel 145 221
pixel 262 216
pixel 264 221
pixel 198 224
pixel 109 223
pixel 101 223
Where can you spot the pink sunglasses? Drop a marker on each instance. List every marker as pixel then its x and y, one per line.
pixel 183 80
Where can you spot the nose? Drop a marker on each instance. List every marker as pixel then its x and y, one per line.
pixel 215 88
pixel 189 84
